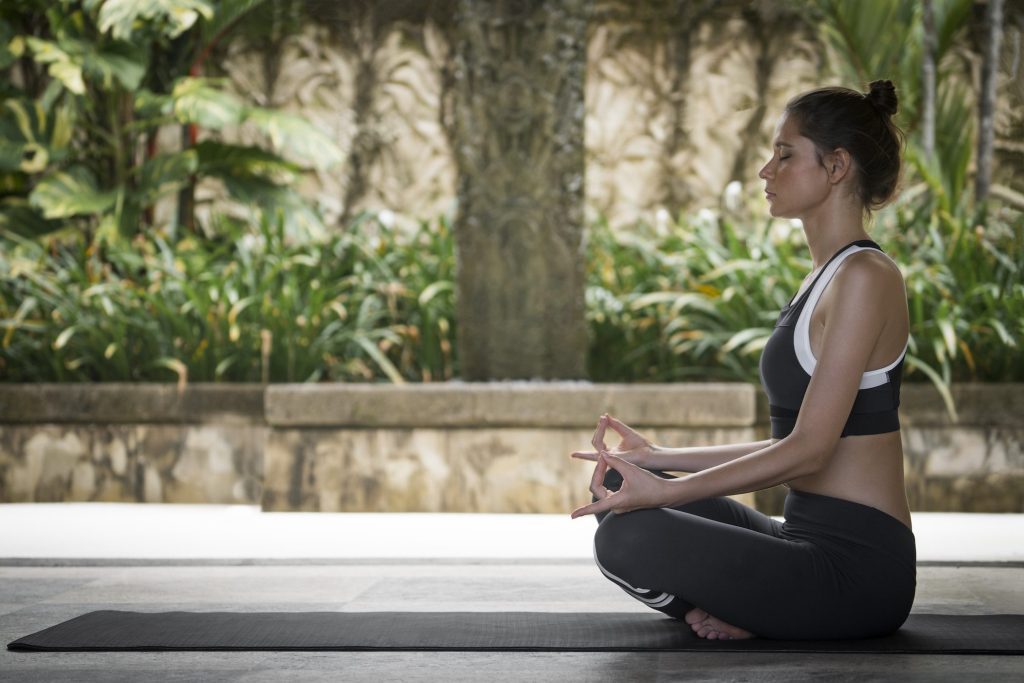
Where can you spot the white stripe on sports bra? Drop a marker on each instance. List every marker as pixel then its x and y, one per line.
pixel 802 333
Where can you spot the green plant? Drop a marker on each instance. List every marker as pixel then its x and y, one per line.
pixel 366 304
pixel 698 300
pixel 694 300
pixel 691 302
pixel 98 80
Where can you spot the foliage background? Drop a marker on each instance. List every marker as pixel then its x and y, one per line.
pixel 255 191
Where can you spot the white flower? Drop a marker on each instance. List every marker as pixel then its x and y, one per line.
pixel 661 220
pixel 706 218
pixel 386 218
pixel 733 195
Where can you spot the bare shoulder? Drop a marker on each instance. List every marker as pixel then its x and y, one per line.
pixel 870 273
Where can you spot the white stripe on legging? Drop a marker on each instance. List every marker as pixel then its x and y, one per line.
pixel 658 601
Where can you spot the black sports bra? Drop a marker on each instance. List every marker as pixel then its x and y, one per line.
pixel 787 365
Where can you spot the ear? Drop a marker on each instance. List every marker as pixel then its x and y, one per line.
pixel 838 165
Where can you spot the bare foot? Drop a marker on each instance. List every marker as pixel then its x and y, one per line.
pixel 712 628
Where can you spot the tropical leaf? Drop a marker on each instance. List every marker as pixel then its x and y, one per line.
pixel 873 35
pixel 951 16
pixel 228 11
pixel 12 155
pixel 121 17
pixel 432 290
pixel 118 61
pixel 18 217
pixel 954 113
pixel 201 101
pixel 70 193
pixel 30 137
pixel 7 55
pixel 237 161
pixel 166 173
pixel 296 137
pixel 62 66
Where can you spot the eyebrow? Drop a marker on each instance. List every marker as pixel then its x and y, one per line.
pixel 783 144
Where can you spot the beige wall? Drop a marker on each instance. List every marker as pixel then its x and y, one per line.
pixel 453 447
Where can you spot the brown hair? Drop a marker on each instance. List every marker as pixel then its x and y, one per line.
pixel 860 123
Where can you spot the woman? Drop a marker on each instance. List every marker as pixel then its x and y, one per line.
pixel 843 565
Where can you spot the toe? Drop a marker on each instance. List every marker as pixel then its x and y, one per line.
pixel 696 615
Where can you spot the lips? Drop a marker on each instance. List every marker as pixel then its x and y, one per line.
pixel 769 195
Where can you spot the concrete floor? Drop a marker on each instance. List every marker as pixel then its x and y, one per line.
pixel 34 597
pixel 35 594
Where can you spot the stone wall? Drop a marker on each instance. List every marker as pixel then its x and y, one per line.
pixel 454 447
pixel 497 447
pixel 144 443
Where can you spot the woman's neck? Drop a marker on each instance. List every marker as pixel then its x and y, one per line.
pixel 831 228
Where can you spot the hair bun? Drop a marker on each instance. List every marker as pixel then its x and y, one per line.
pixel 882 94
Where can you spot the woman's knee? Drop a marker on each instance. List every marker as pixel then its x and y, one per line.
pixel 623 540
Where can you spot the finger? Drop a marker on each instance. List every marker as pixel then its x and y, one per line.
pixel 599 506
pixel 616 463
pixel 618 426
pixel 584 455
pixel 597 479
pixel 598 440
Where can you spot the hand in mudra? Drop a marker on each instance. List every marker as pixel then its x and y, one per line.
pixel 640 489
pixel 633 448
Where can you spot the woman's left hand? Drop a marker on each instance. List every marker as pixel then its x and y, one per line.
pixel 640 489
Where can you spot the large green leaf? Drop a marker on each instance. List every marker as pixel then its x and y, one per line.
pixel 197 100
pixel 226 161
pixel 70 193
pixel 10 155
pixel 121 61
pixel 31 137
pixel 166 173
pixel 872 34
pixel 18 217
pixel 7 56
pixel 62 66
pixel 121 17
pixel 951 16
pixel 70 60
pixel 297 138
pixel 954 125
pixel 228 11
pixel 151 106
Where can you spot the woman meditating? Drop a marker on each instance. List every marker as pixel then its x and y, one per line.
pixel 843 564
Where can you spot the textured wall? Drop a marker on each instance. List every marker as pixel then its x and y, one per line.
pixel 681 98
pixel 147 443
pixel 499 447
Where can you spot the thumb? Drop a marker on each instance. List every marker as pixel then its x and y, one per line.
pixel 616 463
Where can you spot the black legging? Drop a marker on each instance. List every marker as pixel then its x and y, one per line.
pixel 833 569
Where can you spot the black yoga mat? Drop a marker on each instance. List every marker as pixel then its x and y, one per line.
pixel 522 631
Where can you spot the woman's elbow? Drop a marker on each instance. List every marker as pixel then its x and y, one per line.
pixel 811 452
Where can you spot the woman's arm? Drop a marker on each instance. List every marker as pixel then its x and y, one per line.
pixel 697 458
pixel 642 452
pixel 849 336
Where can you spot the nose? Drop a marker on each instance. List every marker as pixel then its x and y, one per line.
pixel 765 171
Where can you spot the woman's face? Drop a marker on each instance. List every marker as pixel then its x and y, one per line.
pixel 795 181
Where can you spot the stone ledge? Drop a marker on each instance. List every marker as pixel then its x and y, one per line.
pixel 988 404
pixel 461 404
pixel 128 403
pixel 510 404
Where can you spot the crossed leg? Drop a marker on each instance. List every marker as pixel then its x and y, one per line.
pixel 715 516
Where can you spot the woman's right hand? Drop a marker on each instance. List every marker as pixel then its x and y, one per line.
pixel 633 448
